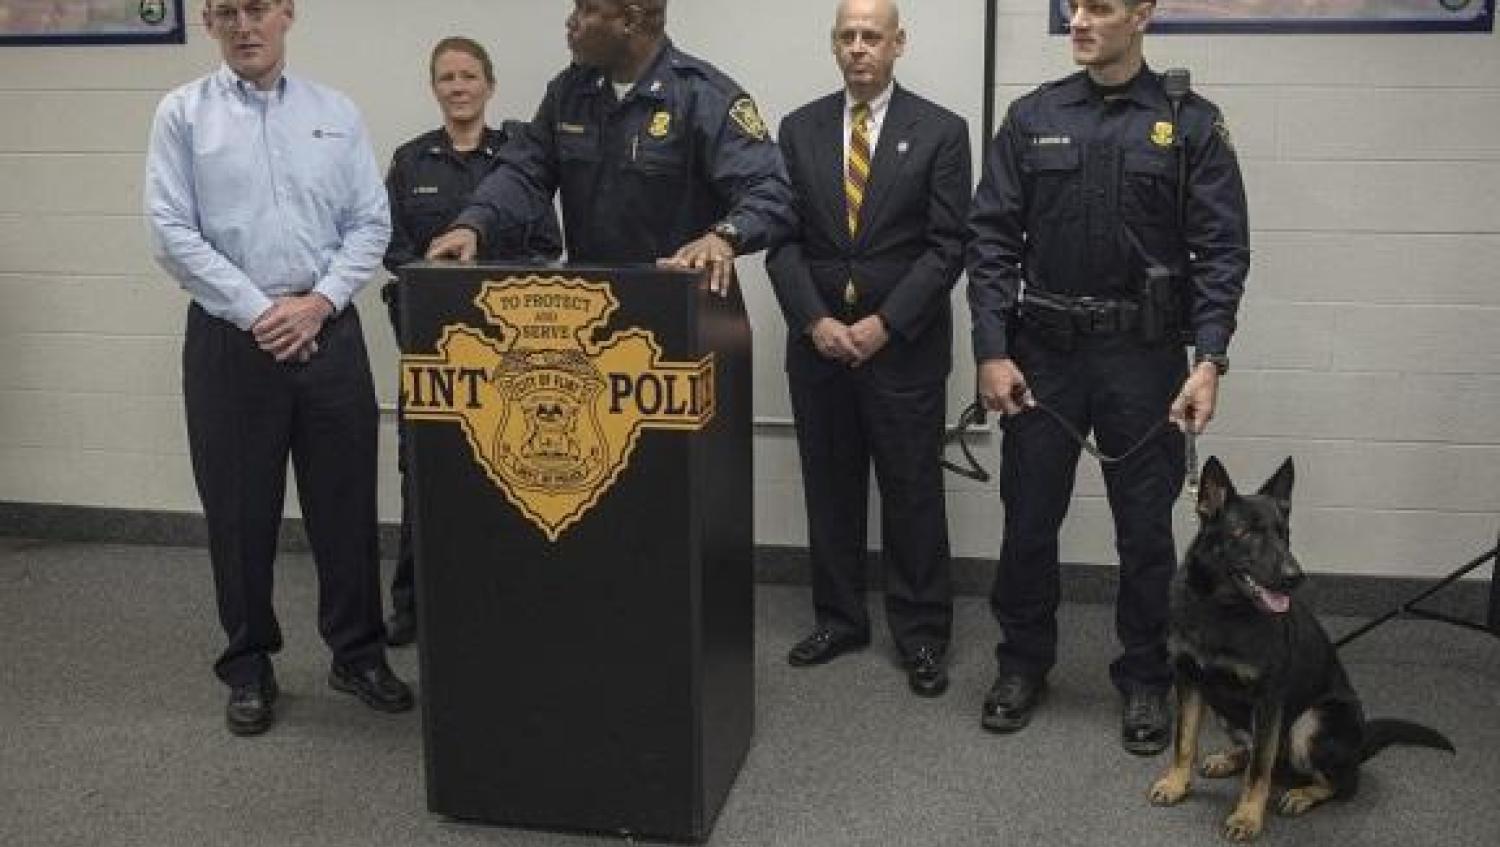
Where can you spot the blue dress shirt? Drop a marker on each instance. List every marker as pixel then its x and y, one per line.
pixel 252 195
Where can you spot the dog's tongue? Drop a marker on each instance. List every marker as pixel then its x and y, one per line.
pixel 1271 601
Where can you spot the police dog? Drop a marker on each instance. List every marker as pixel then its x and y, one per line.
pixel 1246 648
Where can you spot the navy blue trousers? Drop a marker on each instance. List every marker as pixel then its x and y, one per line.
pixel 1117 388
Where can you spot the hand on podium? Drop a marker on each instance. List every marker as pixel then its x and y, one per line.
pixel 713 252
pixel 460 243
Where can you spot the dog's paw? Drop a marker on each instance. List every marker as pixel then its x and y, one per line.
pixel 1300 801
pixel 1243 826
pixel 1170 790
pixel 1225 764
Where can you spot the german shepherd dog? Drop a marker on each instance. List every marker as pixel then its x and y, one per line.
pixel 1245 647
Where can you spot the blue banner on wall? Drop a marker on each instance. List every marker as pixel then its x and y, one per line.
pixel 1311 16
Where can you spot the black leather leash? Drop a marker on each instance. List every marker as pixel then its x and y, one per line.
pixel 974 414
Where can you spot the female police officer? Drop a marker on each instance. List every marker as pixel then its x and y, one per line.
pixel 430 181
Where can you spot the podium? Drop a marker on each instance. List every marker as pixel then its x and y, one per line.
pixel 580 439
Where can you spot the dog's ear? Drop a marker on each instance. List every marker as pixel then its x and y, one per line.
pixel 1214 489
pixel 1279 486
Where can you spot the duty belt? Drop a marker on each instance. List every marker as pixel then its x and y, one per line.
pixel 1081 315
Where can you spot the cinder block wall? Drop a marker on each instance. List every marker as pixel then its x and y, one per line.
pixel 1367 348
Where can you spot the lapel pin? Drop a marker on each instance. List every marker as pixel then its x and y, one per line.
pixel 902 147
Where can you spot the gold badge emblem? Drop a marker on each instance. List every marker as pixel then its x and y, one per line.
pixel 747 118
pixel 661 124
pixel 1161 134
pixel 552 412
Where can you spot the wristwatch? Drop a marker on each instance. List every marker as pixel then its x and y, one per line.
pixel 729 232
pixel 1218 360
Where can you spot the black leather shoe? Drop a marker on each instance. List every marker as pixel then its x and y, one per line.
pixel 1012 699
pixel 376 685
pixel 926 672
pixel 824 644
pixel 251 707
pixel 1146 721
pixel 401 628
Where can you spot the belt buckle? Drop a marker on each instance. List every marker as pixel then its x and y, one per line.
pixel 1093 315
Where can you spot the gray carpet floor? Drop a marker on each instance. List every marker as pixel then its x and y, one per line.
pixel 111 733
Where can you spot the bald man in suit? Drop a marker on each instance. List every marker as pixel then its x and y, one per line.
pixel 882 180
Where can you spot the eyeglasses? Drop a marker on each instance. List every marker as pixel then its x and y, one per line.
pixel 226 16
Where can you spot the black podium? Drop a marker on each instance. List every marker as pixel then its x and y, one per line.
pixel 580 440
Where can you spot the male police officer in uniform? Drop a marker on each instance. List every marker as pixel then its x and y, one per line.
pixel 1086 271
pixel 657 155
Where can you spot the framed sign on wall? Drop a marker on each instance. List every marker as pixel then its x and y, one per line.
pixel 91 22
pixel 1315 16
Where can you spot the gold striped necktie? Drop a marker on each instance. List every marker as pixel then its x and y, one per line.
pixel 856 176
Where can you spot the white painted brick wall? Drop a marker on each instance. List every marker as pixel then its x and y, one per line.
pixel 1367 345
pixel 1367 348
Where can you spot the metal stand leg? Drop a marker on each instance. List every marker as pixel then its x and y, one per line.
pixel 1409 608
pixel 1495 593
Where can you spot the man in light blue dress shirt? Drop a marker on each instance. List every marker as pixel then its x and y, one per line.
pixel 266 204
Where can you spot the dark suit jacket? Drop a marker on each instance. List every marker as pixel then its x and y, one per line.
pixel 910 246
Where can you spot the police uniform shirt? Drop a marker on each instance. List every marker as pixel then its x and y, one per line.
pixel 641 176
pixel 1071 167
pixel 430 182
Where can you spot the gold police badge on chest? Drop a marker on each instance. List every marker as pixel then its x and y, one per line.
pixel 661 124
pixel 1162 134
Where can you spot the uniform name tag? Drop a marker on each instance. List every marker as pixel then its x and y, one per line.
pixel 425 189
pixel 1050 140
pixel 571 129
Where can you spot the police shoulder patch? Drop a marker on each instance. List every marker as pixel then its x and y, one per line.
pixel 747 118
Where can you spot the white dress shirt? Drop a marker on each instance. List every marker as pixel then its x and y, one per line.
pixel 253 195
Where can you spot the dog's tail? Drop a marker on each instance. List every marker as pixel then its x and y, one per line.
pixel 1382 733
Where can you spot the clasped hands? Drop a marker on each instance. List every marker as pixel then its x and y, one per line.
pixel 289 329
pixel 852 344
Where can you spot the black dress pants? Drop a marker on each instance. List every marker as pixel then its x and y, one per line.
pixel 845 422
pixel 246 414
pixel 1118 388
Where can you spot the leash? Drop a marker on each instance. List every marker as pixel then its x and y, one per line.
pixel 974 414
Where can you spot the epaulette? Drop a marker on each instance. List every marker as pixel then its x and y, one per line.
pixel 421 144
pixel 684 65
pixel 1051 86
